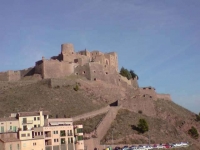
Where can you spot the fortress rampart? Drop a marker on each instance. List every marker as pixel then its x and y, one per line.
pixel 93 65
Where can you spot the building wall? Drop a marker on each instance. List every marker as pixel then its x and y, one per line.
pixel 7 126
pixel 31 121
pixel 39 68
pixel 25 135
pixel 27 72
pixel 148 92
pixel 83 71
pixel 164 96
pixel 57 69
pixel 34 144
pixel 14 145
pixel 14 75
pixel 2 145
pixel 55 136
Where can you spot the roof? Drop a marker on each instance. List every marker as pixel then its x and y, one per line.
pixel 9 137
pixel 33 113
pixel 8 119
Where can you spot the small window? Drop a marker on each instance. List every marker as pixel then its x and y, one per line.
pixel 94 71
pixel 41 133
pixel 10 122
pixel 34 118
pixel 35 126
pixel 10 127
pixel 76 73
pixel 38 125
pixel 38 118
pixel 28 134
pixel 38 133
pixel 57 140
pixel 150 96
pixel 143 95
pixel 23 135
pixel 106 72
pixel 83 72
pixel 10 146
pixel 35 133
pixel 54 140
pixel 95 79
pixel 56 132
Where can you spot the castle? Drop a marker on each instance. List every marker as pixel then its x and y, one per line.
pixel 93 65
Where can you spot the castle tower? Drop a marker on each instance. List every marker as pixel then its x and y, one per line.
pixel 67 51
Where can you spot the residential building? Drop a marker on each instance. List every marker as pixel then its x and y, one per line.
pixel 35 131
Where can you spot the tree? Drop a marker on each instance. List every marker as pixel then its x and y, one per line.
pixel 133 74
pixel 193 133
pixel 124 72
pixel 142 126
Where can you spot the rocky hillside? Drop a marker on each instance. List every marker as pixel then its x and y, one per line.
pixel 168 122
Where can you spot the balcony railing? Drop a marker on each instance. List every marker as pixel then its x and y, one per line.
pixel 27 122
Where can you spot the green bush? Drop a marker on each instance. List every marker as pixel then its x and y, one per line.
pixel 193 133
pixel 128 74
pixel 198 117
pixel 142 126
pixel 140 111
pixel 76 87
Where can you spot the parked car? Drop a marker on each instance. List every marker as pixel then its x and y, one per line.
pixel 117 148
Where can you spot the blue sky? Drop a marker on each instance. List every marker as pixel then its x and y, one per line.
pixel 159 40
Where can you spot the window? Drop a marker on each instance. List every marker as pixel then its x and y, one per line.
pixel 35 133
pixel 18 147
pixel 38 133
pixel 28 134
pixel 41 133
pixel 57 140
pixel 80 130
pixel 80 138
pixel 38 118
pixel 34 144
pixel 38 125
pixel 23 135
pixel 10 122
pixel 56 132
pixel 34 118
pixel 10 146
pixel 95 79
pixel 35 126
pixel 10 127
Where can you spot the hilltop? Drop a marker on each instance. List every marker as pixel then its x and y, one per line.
pixel 88 87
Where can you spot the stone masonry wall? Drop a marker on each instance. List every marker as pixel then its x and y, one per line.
pixel 14 75
pixel 164 96
pixel 148 92
pixel 57 69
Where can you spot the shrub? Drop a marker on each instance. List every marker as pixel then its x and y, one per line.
pixel 76 88
pixel 142 126
pixel 193 133
pixel 198 117
pixel 140 111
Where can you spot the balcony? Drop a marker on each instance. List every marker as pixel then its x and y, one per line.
pixel 27 121
pixel 47 134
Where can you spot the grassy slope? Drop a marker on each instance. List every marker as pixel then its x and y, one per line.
pixel 90 124
pixel 164 127
pixel 61 101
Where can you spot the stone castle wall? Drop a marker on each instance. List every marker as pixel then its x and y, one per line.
pixel 57 69
pixel 164 96
pixel 14 75
pixel 148 92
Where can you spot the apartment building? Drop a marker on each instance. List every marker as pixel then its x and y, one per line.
pixel 35 131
